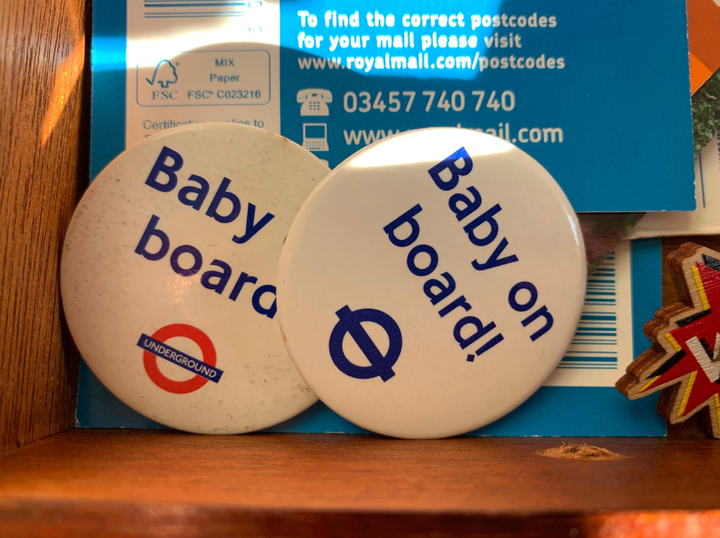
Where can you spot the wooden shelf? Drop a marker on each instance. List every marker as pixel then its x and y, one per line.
pixel 163 483
pixel 125 483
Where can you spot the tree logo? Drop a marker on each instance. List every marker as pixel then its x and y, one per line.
pixel 164 74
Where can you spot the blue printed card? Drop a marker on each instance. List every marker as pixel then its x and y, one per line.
pixel 597 93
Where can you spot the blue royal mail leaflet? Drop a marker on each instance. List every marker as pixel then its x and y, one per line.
pixel 597 93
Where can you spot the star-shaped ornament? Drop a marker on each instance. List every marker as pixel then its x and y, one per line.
pixel 685 356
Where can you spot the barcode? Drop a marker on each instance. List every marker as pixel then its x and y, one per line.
pixel 188 9
pixel 595 343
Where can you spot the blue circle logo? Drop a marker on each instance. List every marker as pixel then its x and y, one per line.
pixel 350 323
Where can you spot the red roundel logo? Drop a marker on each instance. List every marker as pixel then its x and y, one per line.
pixel 203 368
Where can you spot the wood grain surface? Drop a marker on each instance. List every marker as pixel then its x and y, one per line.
pixel 55 519
pixel 42 140
pixel 161 483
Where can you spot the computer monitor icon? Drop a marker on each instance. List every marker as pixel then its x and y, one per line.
pixel 315 136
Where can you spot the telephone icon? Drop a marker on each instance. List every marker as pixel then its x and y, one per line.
pixel 314 102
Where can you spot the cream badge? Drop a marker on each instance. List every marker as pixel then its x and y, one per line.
pixel 431 283
pixel 168 276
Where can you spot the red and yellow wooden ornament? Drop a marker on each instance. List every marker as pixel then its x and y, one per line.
pixel 684 360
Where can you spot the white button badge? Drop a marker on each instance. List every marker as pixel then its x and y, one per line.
pixel 431 283
pixel 169 270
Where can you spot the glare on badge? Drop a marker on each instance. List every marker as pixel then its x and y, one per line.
pixel 451 268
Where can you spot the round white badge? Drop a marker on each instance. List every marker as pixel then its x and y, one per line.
pixel 168 276
pixel 431 283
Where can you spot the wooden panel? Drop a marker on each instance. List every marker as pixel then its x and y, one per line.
pixel 42 54
pixel 151 483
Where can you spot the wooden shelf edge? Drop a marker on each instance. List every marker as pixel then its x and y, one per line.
pixel 164 483
pixel 74 519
